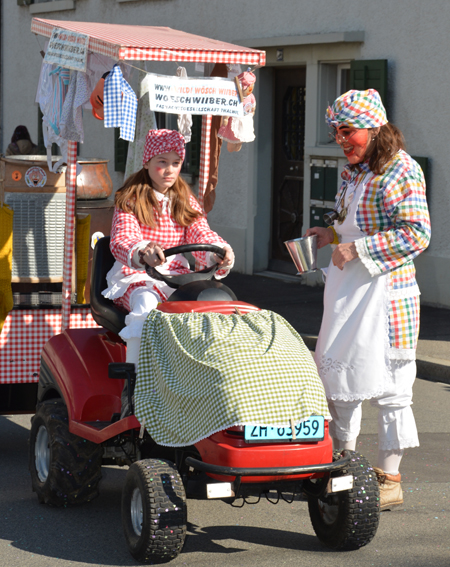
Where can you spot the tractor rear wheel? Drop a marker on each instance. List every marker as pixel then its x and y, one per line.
pixel 65 469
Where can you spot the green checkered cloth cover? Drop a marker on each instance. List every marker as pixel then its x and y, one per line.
pixel 200 373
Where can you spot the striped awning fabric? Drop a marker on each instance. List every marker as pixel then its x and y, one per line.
pixel 150 43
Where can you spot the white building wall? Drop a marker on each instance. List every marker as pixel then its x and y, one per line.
pixel 411 34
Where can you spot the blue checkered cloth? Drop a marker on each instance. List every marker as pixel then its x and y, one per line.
pixel 120 104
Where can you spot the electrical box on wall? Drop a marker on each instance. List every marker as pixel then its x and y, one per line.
pixel 324 186
pixel 316 216
pixel 317 179
pixel 324 175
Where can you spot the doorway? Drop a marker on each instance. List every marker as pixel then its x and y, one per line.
pixel 288 167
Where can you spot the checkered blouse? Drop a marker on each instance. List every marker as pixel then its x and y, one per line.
pixel 393 213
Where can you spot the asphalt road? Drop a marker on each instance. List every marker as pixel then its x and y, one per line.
pixel 34 535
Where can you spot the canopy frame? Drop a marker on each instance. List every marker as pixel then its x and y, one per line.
pixel 139 43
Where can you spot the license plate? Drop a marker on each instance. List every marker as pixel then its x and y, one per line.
pixel 313 429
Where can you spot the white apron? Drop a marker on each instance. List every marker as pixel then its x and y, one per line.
pixel 353 344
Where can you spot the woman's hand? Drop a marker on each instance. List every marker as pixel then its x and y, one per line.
pixel 227 260
pixel 344 253
pixel 324 235
pixel 152 255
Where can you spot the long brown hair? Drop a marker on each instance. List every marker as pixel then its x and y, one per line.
pixel 136 196
pixel 386 144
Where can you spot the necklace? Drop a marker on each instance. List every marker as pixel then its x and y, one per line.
pixel 342 214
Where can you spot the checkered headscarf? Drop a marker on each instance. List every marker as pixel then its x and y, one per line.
pixel 358 109
pixel 161 142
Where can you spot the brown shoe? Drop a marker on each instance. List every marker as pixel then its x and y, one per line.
pixel 391 494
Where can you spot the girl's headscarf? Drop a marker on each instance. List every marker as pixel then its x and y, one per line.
pixel 161 142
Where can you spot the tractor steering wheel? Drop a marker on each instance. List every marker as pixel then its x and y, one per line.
pixel 182 279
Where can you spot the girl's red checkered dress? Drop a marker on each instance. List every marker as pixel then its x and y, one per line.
pixel 128 235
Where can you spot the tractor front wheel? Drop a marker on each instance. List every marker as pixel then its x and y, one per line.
pixel 154 513
pixel 349 519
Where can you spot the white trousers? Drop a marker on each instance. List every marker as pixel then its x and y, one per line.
pixel 142 301
pixel 396 424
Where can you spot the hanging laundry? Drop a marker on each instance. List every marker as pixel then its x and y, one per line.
pixel 184 120
pixel 119 104
pixel 71 122
pixel 52 90
pixel 60 87
pixel 145 121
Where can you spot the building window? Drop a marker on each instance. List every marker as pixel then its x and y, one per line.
pixel 43 6
pixel 337 78
pixel 334 80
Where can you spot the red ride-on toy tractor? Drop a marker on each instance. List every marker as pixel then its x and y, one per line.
pixel 77 428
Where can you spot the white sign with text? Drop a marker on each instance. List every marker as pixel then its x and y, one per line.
pixel 176 95
pixel 68 49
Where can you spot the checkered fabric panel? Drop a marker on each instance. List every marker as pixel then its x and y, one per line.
pixel 69 235
pixel 200 56
pixel 24 335
pixel 200 373
pixel 404 317
pixel 120 104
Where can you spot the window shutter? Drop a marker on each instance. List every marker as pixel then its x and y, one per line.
pixel 371 74
pixel 423 162
pixel 120 151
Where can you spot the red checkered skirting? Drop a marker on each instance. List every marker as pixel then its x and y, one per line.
pixel 69 236
pixel 25 333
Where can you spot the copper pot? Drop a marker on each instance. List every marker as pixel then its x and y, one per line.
pixel 94 181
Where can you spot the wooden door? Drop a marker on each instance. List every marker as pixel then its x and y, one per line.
pixel 289 142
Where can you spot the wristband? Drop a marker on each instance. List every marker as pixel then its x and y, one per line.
pixel 335 236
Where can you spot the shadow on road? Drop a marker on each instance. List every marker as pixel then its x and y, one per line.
pixel 205 539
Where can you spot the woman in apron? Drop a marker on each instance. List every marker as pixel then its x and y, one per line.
pixel 367 341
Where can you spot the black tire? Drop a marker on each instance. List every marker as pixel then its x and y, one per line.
pixel 65 469
pixel 349 519
pixel 154 512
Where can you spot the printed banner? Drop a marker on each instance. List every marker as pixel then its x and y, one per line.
pixel 176 95
pixel 68 49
